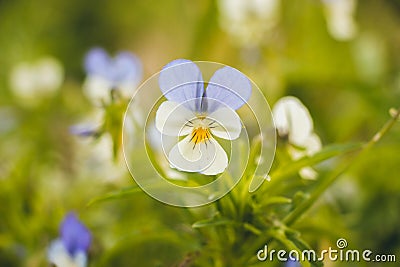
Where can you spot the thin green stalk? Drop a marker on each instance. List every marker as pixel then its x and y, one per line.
pixel 295 215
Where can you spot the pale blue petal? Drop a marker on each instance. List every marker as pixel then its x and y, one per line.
pixel 180 81
pixel 84 130
pixel 125 68
pixel 97 62
pixel 292 263
pixel 228 86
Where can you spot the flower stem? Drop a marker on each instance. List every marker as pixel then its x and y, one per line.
pixel 302 208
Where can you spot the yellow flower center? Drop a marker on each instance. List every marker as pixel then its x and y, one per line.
pixel 199 135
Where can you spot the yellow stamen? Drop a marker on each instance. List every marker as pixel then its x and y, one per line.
pixel 199 135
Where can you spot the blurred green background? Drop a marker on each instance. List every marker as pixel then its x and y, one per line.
pixel 349 82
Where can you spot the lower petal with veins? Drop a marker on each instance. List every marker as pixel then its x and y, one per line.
pixel 208 157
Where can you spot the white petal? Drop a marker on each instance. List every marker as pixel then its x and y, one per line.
pixel 97 89
pixel 58 255
pixel 207 158
pixel 171 118
pixel 292 118
pixel 340 18
pixel 312 144
pixel 227 125
pixel 296 153
pixel 220 162
pixel 308 173
pixel 185 156
pixel 80 259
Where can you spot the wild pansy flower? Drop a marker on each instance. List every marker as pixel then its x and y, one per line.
pixel 199 115
pixel 30 82
pixel 293 121
pixel 71 249
pixel 109 76
pixel 340 18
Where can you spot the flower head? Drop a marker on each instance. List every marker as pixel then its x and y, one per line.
pixel 121 73
pixel 293 121
pixel 70 250
pixel 199 115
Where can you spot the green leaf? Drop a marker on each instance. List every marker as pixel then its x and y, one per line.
pixel 326 153
pixel 215 221
pixel 277 200
pixel 125 192
pixel 252 229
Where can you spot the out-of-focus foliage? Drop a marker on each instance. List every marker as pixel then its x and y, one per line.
pixel 348 82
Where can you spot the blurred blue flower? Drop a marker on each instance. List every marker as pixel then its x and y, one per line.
pixel 292 263
pixel 200 114
pixel 70 250
pixel 121 73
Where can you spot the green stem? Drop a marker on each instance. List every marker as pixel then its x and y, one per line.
pixel 295 215
pixel 388 125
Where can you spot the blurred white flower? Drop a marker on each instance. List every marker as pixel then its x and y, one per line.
pixel 32 81
pixel 96 159
pixel 95 153
pixel 247 21
pixel 340 18
pixel 293 121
